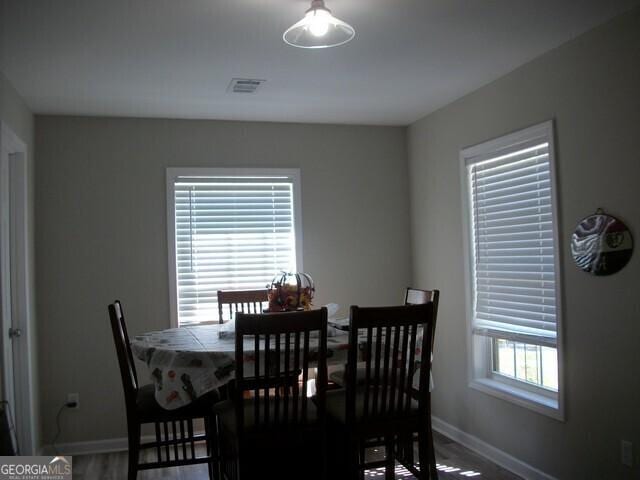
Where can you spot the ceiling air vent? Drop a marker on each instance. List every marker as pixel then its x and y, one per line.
pixel 244 85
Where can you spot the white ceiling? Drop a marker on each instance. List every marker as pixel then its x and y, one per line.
pixel 175 58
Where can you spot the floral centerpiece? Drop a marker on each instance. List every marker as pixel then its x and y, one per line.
pixel 291 291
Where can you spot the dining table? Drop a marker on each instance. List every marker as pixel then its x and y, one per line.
pixel 190 361
pixel 187 362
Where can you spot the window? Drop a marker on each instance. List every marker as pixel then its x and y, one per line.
pixel 534 364
pixel 229 229
pixel 513 270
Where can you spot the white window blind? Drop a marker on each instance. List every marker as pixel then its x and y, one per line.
pixel 231 233
pixel 512 241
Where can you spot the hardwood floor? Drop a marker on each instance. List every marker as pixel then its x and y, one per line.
pixel 454 462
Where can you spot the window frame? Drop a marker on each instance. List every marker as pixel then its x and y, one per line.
pixel 174 173
pixel 481 375
pixel 525 385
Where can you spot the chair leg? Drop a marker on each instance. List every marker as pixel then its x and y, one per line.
pixel 134 449
pixel 405 449
pixel 212 448
pixel 433 471
pixel 390 460
pixel 353 458
pixel 337 448
pixel 362 459
pixel 324 475
pixel 212 474
pixel 428 470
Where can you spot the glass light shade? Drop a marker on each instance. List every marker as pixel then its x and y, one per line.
pixel 318 29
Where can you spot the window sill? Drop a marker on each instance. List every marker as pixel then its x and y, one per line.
pixel 538 403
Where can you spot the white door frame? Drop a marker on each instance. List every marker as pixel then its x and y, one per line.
pixel 18 374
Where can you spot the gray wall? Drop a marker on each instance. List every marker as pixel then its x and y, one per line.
pixel 15 113
pixel 590 86
pixel 102 233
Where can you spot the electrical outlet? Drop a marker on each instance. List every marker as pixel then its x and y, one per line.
pixel 73 398
pixel 626 453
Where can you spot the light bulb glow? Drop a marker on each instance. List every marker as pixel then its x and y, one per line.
pixel 318 22
pixel 318 29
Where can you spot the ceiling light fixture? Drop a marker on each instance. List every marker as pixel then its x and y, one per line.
pixel 318 29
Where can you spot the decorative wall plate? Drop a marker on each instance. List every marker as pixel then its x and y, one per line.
pixel 601 244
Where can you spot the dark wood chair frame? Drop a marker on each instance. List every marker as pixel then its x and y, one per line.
pixel 245 301
pixel 425 296
pixel 277 396
pixel 174 432
pixel 416 296
pixel 388 388
pixel 404 449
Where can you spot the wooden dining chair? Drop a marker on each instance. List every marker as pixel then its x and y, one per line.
pixel 405 446
pixel 175 436
pixel 395 343
pixel 231 302
pixel 271 427
pixel 412 296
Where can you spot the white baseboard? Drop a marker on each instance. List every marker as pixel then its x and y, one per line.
pixel 107 445
pixel 91 447
pixel 497 456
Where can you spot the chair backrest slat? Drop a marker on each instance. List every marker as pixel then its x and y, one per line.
pixel 296 366
pixel 232 302
pixel 368 379
pixel 403 338
pixel 403 364
pixel 277 378
pixel 378 359
pixel 305 376
pixel 267 373
pixel 411 363
pixel 281 350
pixel 127 366
pixel 287 361
pixel 385 374
pixel 394 366
pixel 120 313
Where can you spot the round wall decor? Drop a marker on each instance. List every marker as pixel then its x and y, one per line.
pixel 601 244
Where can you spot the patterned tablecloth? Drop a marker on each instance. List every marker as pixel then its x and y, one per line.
pixel 188 362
